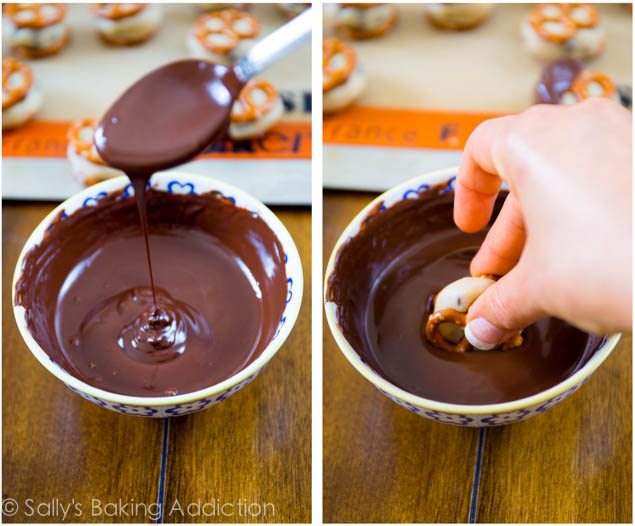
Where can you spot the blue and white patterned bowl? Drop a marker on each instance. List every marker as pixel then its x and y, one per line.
pixel 172 182
pixel 457 414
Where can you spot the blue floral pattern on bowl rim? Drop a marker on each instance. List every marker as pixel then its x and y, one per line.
pixel 454 414
pixel 173 182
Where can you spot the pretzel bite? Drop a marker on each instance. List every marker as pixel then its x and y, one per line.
pixel 458 16
pixel 555 31
pixel 223 36
pixel 38 30
pixel 127 24
pixel 343 80
pixel 291 10
pixel 445 327
pixel 86 164
pixel 208 8
pixel 257 109
pixel 361 21
pixel 21 100
pixel 565 81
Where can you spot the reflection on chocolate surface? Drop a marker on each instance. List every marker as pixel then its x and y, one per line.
pixel 220 279
pixel 382 283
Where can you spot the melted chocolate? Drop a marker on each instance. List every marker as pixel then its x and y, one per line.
pixel 557 78
pixel 167 117
pixel 164 119
pixel 220 285
pixel 382 284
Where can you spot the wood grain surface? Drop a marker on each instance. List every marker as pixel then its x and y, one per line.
pixel 61 452
pixel 385 464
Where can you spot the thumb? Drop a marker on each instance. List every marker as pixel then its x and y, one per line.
pixel 506 306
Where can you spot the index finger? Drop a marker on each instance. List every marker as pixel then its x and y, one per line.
pixel 479 180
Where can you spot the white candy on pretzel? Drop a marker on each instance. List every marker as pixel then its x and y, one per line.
pixel 445 327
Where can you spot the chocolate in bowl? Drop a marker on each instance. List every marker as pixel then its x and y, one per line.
pixel 223 262
pixel 381 280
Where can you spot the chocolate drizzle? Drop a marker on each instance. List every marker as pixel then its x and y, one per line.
pixel 218 266
pixel 382 283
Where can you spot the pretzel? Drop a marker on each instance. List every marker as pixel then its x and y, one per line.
pixel 435 337
pixel 551 28
pixel 360 5
pixel 580 87
pixel 251 109
pixel 80 136
pixel 559 22
pixel 117 11
pixel 335 71
pixel 17 79
pixel 35 16
pixel 242 24
pixel 583 15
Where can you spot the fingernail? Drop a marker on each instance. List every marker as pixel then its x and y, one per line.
pixel 483 335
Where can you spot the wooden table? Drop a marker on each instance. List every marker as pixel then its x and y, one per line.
pixel 385 464
pixel 251 450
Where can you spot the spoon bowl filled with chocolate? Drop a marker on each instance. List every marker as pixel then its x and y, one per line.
pixel 222 295
pixel 397 289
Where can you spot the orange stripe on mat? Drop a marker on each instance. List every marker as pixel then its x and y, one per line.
pixel 46 139
pixel 402 128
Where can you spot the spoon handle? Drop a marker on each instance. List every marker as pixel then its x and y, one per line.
pixel 274 46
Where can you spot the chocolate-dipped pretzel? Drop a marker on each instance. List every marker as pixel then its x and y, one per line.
pixel 433 332
pixel 21 99
pixel 342 80
pixel 338 62
pixel 223 36
pixel 86 164
pixel 257 109
pixel 445 327
pixel 565 81
pixel 564 30
pixel 80 137
pixel 17 79
pixel 117 11
pixel 242 24
pixel 38 29
pixel 250 103
pixel 365 20
pixel 127 24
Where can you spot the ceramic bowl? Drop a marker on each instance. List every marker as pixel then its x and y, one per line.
pixel 457 414
pixel 171 182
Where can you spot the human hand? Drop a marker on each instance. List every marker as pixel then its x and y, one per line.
pixel 563 239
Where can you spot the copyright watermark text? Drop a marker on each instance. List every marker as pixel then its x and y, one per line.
pixel 121 508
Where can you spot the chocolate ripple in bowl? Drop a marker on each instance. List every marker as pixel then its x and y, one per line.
pixel 382 283
pixel 221 261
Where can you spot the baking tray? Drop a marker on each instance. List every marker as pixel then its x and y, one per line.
pixel 87 76
pixel 427 89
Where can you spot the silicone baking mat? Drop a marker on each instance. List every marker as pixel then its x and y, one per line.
pixel 427 89
pixel 87 76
